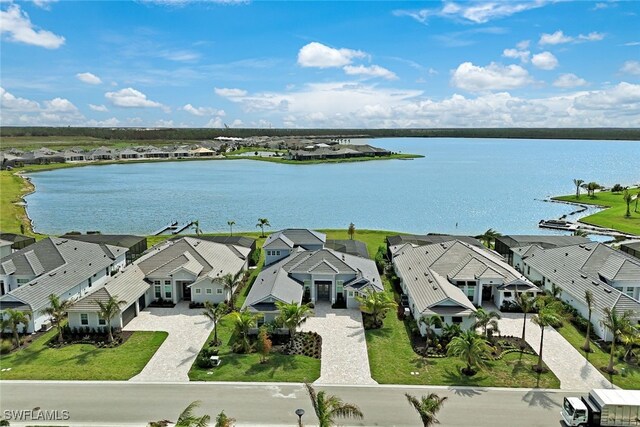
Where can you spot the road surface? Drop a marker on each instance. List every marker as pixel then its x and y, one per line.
pixel 135 404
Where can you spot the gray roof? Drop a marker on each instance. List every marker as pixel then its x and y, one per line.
pixel 127 286
pixel 583 267
pixel 66 263
pixel 632 245
pixel 246 242
pixel 274 282
pixel 427 239
pixel 297 236
pixel 353 247
pixel 123 240
pixel 544 240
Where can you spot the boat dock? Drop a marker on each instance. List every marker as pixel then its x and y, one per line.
pixel 171 226
pixel 180 229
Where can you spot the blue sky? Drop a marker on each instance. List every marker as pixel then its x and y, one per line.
pixel 178 63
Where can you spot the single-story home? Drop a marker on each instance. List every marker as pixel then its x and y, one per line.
pixel 280 244
pixel 136 245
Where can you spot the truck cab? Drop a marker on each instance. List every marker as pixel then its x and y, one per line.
pixel 574 412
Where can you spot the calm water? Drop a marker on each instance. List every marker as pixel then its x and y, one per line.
pixel 474 183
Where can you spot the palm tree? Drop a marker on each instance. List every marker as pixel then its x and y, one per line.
pixel 637 198
pixel 630 339
pixel 578 183
pixel 187 419
pixel 262 223
pixel 222 420
pixel 57 310
pixel 108 310
pixel 548 314
pixel 627 199
pixel 376 304
pixel 555 291
pixel 215 313
pixel 230 281
pixel 243 321
pixel 484 319
pixel 471 348
pixel 525 302
pixel 580 233
pixel 429 322
pixel 292 315
pixel 352 230
pixel 427 407
pixel 591 188
pixel 231 223
pixel 196 225
pixel 489 236
pixel 11 319
pixel 617 324
pixel 588 299
pixel 329 407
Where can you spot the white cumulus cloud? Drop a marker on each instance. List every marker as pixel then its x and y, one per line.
pixel 631 67
pixel 560 38
pixel 569 80
pixel 99 108
pixel 544 61
pixel 230 92
pixel 89 78
pixel 202 111
pixel 11 102
pixel 131 98
pixel 18 27
pixel 370 71
pixel 474 78
pixel 318 55
pixel 476 12
pixel 522 55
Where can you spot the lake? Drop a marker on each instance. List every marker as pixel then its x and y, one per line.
pixel 462 186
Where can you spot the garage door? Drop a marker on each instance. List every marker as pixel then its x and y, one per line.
pixel 128 314
pixel 141 302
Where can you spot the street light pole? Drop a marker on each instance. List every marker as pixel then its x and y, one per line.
pixel 300 413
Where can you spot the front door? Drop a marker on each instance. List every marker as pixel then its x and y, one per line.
pixel 486 293
pixel 186 292
pixel 323 291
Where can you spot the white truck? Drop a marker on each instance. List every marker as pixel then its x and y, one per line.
pixel 606 408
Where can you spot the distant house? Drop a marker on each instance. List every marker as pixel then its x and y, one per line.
pixel 67 268
pixel 73 156
pixel 18 241
pixel 136 245
pixel 632 248
pixel 451 278
pixel 399 240
pixel 202 152
pixel 504 244
pixel 181 153
pixel 157 153
pixel 612 276
pixel 101 154
pixel 280 244
pixel 129 154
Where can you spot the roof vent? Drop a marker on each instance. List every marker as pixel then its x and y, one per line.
pixel 52 274
pixel 595 282
pixel 89 263
pixel 416 278
pixel 435 288
pixel 584 276
pixel 566 254
pixel 607 290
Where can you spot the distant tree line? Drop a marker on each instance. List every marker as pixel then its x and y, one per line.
pixel 201 134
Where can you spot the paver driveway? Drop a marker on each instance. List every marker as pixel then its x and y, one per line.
pixel 188 330
pixel 344 349
pixel 571 368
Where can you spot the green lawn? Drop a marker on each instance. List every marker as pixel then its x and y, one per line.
pixel 81 361
pixel 613 217
pixel 599 358
pixel 247 367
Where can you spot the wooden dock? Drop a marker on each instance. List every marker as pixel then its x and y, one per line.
pixel 171 226
pixel 180 229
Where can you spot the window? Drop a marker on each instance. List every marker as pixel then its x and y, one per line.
pixel 167 291
pixel 157 291
pixel 198 290
pixel 307 284
pixel 351 294
pixel 89 281
pixel 156 282
pixel 277 253
pixel 101 321
pixel 209 291
pixel 268 253
pixel 22 281
pixel 219 291
pixel 84 319
pixel 507 294
pixel 456 320
pixel 528 270
pixel 167 282
pixel 339 286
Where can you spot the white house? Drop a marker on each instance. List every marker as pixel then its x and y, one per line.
pixel 281 244
pixel 69 269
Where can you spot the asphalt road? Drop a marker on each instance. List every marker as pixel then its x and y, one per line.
pixel 122 404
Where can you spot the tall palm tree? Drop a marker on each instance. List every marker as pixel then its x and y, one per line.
pixel 107 310
pixel 329 407
pixel 617 324
pixel 429 322
pixel 196 225
pixel 292 315
pixel 578 183
pixel 187 419
pixel 588 299
pixel 352 230
pixel 627 199
pixel 485 318
pixel 630 339
pixel 215 313
pixel 262 223
pixel 243 321
pixel 376 304
pixel 489 236
pixel 637 198
pixel 230 281
pixel 525 302
pixel 11 319
pixel 471 348
pixel 231 223
pixel 427 407
pixel 222 420
pixel 548 314
pixel 57 310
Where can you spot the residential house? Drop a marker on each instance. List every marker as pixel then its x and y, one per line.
pixel 396 241
pixel 67 268
pixel 101 154
pixel 613 277
pixel 632 248
pixel 181 153
pixel 136 245
pixel 18 241
pixel 281 244
pixel 451 278
pixel 73 156
pixel 202 152
pixel 5 250
pixel 157 153
pixel 503 244
pixel 129 154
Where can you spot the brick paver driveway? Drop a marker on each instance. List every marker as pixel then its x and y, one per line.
pixel 344 348
pixel 188 330
pixel 571 368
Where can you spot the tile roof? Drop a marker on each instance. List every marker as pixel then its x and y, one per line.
pixel 297 237
pixel 127 286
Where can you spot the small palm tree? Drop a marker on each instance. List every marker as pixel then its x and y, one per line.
pixel 231 223
pixel 292 315
pixel 627 199
pixel 548 314
pixel 429 322
pixel 486 319
pixel 12 319
pixel 489 236
pixel 631 340
pixel 588 299
pixel 352 230
pixel 108 310
pixel 376 304
pixel 262 223
pixel 617 324
pixel 525 302
pixel 222 420
pixel 329 407
pixel 215 313
pixel 427 407
pixel 187 419
pixel 555 291
pixel 578 183
pixel 637 199
pixel 196 225
pixel 57 311
pixel 230 281
pixel 471 348
pixel 243 321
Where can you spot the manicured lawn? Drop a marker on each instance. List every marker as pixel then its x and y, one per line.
pixel 12 215
pixel 613 217
pixel 599 358
pixel 247 367
pixel 81 361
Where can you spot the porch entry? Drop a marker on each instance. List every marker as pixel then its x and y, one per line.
pixel 323 290
pixel 486 293
pixel 186 291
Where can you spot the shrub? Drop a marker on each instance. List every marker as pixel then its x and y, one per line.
pixel 255 257
pixel 380 259
pixel 617 188
pixel 5 346
pixel 203 362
